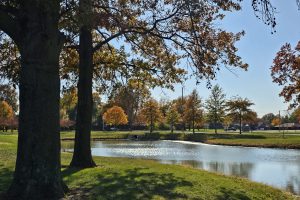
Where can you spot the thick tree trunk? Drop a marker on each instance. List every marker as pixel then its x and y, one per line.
pixel 82 156
pixel 37 173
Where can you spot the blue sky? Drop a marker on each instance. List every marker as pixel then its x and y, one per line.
pixel 257 48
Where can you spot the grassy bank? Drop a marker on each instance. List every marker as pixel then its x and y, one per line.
pixel 123 178
pixel 270 139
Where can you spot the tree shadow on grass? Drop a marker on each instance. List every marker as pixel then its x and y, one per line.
pixel 6 176
pixel 227 194
pixel 131 184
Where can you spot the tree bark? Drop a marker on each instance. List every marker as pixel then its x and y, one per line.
pixel 82 156
pixel 37 172
pixel 240 123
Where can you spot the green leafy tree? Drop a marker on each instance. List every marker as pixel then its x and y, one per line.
pixel 215 105
pixel 151 113
pixel 193 111
pixel 267 118
pixel 239 109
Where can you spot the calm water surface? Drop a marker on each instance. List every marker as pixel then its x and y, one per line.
pixel 279 168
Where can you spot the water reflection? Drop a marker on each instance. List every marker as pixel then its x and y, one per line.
pixel 280 168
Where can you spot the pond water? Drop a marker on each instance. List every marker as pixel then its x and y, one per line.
pixel 275 167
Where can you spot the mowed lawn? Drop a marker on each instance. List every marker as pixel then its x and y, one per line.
pixel 124 178
pixel 270 139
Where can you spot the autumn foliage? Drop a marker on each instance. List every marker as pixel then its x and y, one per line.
pixel 276 121
pixel 115 116
pixel 6 113
pixel 285 72
pixel 151 113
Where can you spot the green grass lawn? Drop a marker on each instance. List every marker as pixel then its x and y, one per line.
pixel 124 178
pixel 272 139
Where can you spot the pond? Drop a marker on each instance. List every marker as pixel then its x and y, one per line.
pixel 275 167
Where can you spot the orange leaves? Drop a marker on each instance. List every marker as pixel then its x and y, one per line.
pixel 285 71
pixel 115 116
pixel 276 122
pixel 6 112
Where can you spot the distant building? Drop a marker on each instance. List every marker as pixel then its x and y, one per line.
pixel 288 126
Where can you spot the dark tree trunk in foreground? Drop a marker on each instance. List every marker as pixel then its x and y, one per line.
pixel 37 172
pixel 82 156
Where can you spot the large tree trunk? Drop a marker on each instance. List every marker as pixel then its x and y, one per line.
pixel 82 156
pixel 37 173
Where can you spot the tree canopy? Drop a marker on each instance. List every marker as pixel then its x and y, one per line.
pixel 151 113
pixel 215 106
pixel 115 116
pixel 285 72
pixel 239 109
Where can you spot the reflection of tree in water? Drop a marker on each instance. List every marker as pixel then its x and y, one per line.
pixel 193 163
pixel 217 167
pixel 293 184
pixel 236 169
pixel 240 169
pixel 187 146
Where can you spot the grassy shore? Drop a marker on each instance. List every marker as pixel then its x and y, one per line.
pixel 124 178
pixel 270 139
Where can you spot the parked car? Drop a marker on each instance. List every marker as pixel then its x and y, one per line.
pixel 230 129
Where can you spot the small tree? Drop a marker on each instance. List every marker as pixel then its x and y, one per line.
pixel 238 109
pixel 68 104
pixel 172 117
pixel 215 106
pixel 9 94
pixel 251 119
pixel 276 121
pixel 6 114
pixel 115 116
pixel 267 118
pixel 227 121
pixel 151 113
pixel 193 110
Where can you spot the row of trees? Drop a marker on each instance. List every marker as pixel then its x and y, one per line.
pixel 185 112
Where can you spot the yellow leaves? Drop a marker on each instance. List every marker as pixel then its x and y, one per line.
pixel 6 111
pixel 115 116
pixel 151 111
pixel 276 121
